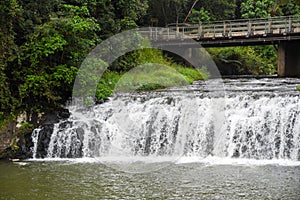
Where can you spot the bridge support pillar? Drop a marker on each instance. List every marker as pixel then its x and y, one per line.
pixel 289 58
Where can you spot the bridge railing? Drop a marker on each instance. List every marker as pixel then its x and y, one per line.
pixel 233 28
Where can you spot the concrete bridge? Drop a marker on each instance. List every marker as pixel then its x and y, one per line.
pixel 281 31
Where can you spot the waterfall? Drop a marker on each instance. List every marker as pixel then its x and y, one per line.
pixel 258 123
pixel 35 136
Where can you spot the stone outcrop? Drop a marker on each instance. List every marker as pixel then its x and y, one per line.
pixel 16 143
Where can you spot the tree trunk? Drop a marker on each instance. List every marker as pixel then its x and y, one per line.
pixel 190 11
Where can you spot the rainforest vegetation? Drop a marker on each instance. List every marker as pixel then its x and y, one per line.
pixel 43 43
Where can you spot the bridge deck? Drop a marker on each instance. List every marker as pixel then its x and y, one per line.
pixel 232 33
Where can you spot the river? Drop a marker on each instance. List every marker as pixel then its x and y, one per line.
pixel 92 180
pixel 222 139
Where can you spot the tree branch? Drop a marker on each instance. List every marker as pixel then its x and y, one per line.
pixel 194 4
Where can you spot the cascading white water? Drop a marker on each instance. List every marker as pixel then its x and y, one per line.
pixel 256 119
pixel 35 136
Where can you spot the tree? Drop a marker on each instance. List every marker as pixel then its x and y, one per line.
pixel 180 8
pixel 218 9
pixel 190 11
pixel 52 55
pixel 269 8
pixel 199 16
pixel 283 2
pixel 115 16
pixel 290 8
pixel 257 9
pixel 10 13
pixel 169 11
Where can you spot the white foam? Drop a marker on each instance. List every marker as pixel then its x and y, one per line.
pixel 257 125
pixel 210 160
pixel 143 159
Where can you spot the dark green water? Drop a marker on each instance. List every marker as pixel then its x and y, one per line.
pixel 70 180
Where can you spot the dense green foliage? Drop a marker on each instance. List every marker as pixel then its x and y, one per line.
pixel 172 11
pixel 199 16
pixel 256 9
pixel 43 43
pixel 146 69
pixel 246 60
pixel 269 8
pixel 10 13
pixel 52 55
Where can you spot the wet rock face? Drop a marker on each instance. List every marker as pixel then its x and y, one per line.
pixel 44 140
pixel 18 146
pixel 55 116
pixel 45 134
pixel 24 144
pixel 64 114
pixel 6 135
pixel 6 138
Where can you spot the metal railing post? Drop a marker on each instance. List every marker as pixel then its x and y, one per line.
pixel 214 31
pixel 150 32
pixel 266 29
pixel 270 27
pixel 168 31
pixel 249 28
pixel 290 24
pixel 230 30
pixel 224 29
pixel 199 31
pixel 286 26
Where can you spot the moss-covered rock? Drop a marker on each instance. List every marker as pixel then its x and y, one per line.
pixel 7 131
pixel 15 143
